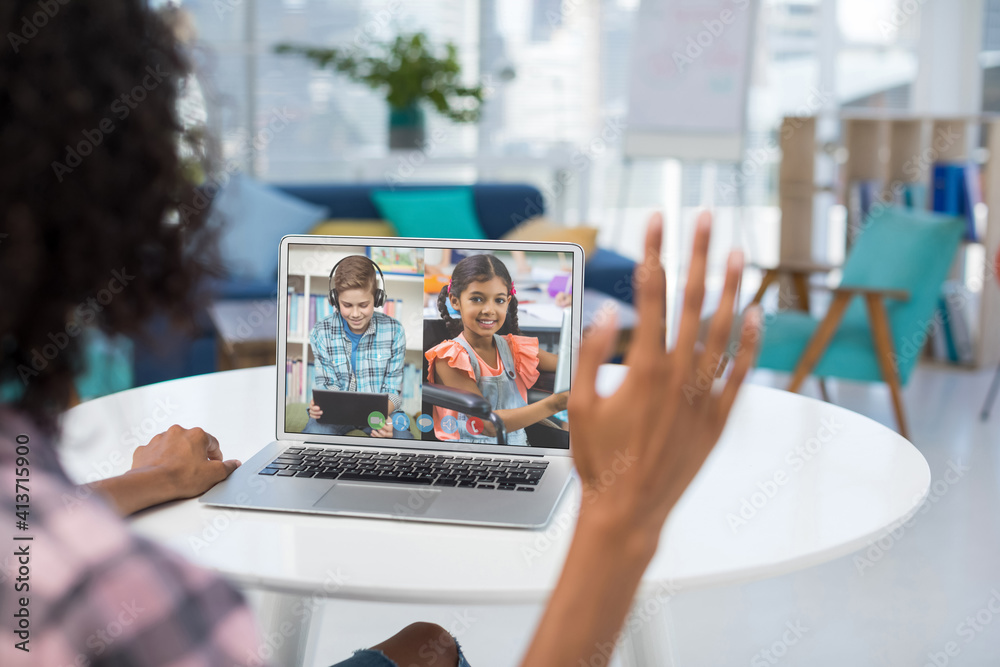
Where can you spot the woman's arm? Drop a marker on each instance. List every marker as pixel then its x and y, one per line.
pixel 513 419
pixel 178 463
pixel 670 430
pixel 585 611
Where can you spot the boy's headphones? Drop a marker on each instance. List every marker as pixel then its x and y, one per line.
pixel 379 292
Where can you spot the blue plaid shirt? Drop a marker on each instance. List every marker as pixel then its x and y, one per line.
pixel 380 357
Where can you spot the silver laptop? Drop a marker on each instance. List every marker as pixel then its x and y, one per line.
pixel 442 455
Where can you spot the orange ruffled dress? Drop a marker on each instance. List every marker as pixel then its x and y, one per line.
pixel 524 349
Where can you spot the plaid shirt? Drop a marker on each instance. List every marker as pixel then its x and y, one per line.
pixel 380 357
pixel 97 594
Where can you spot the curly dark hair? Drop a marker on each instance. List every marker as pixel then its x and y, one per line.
pixel 90 191
pixel 476 269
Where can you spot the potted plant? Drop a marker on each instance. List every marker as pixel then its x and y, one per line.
pixel 408 71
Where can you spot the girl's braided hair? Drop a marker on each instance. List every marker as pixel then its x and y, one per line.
pixel 476 269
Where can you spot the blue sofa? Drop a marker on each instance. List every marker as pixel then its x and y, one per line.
pixel 169 354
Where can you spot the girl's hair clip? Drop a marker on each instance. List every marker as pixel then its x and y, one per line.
pixel 512 290
pixel 449 286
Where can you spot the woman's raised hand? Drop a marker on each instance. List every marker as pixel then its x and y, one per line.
pixel 637 450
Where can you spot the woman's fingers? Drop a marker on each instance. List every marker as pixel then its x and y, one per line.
pixel 212 448
pixel 720 329
pixel 749 337
pixel 694 292
pixel 651 297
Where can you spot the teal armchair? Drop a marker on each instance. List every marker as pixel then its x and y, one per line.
pixel 879 316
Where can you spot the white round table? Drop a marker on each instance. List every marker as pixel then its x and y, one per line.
pixel 793 482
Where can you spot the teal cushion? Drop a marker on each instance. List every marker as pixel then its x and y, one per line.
pixel 11 391
pixel 253 218
pixel 108 365
pixel 107 368
pixel 850 355
pixel 436 214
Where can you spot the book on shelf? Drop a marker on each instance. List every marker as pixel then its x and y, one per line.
pixel 912 196
pixel 319 309
pixel 938 340
pixel 393 308
pixel 951 327
pixel 958 300
pixel 305 311
pixel 972 196
pixel 956 190
pixel 861 196
pixel 300 378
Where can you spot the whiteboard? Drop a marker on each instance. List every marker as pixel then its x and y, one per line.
pixel 688 79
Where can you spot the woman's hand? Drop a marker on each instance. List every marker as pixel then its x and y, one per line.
pixel 314 410
pixel 188 460
pixel 664 419
pixel 178 463
pixel 638 449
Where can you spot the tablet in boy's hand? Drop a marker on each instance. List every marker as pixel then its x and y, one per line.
pixel 348 407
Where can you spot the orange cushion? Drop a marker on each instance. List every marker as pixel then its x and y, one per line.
pixel 541 229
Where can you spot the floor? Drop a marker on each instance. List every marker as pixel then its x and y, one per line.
pixel 907 600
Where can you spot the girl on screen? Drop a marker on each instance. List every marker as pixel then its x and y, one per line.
pixel 488 355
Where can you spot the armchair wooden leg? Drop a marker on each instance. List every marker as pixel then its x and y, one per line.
pixel 769 277
pixel 991 396
pixel 819 342
pixel 882 337
pixel 801 282
pixel 823 390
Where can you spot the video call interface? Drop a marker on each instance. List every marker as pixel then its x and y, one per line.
pixel 368 326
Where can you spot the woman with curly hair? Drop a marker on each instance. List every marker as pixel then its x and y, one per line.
pixel 99 227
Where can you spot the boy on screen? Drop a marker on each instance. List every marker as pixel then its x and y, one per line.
pixel 357 348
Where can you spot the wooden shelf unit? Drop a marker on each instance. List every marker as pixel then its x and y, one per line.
pixel 894 149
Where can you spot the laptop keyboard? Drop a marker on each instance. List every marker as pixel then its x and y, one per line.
pixel 478 472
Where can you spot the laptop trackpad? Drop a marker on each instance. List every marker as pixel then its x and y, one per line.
pixel 412 501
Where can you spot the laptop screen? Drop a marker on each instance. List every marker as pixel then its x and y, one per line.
pixel 369 327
